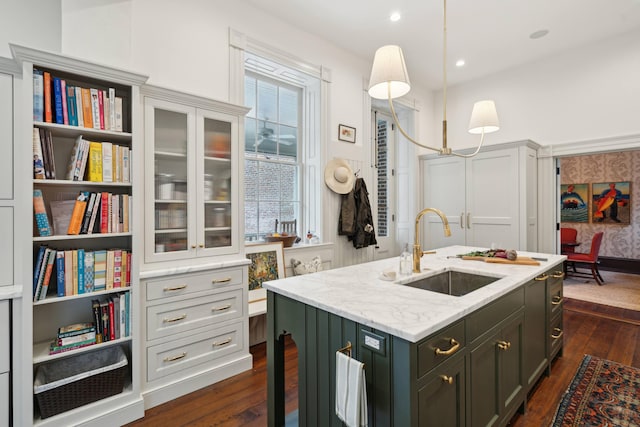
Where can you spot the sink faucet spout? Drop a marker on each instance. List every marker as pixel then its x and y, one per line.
pixel 417 249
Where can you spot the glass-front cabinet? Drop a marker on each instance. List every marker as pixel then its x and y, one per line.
pixel 192 172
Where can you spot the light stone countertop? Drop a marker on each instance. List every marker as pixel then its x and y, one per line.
pixel 358 293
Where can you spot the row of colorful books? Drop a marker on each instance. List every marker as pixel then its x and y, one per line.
pixel 111 322
pixel 55 101
pixel 99 162
pixel 79 271
pixel 90 213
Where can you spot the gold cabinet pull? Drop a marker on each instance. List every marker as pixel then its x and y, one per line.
pixel 446 379
pixel 175 288
pixel 174 358
pixel 193 246
pixel 225 280
pixel 201 245
pixel 224 307
pixel 225 342
pixel 462 220
pixel 469 220
pixel 504 345
pixel 541 278
pixel 557 274
pixel 455 345
pixel 174 319
pixel 556 300
pixel 558 333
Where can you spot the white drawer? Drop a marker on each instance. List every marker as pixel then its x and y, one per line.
pixel 190 283
pixel 194 350
pixel 5 338
pixel 186 315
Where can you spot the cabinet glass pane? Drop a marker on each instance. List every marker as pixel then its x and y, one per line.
pixel 217 183
pixel 171 187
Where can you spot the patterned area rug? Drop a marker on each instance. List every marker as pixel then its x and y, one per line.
pixel 602 393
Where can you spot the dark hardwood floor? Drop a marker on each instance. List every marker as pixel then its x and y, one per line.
pixel 594 329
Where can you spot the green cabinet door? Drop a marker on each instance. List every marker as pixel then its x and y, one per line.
pixel 535 330
pixel 441 395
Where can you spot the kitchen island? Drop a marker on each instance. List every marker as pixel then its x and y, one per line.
pixel 430 358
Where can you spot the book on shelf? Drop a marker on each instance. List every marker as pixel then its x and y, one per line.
pixel 72 106
pixel 100 270
pixel 126 165
pixel 38 157
pixel 84 229
pixel 80 272
pixel 55 349
pixel 84 156
pixel 95 108
pixel 47 97
pixel 117 268
pixel 97 319
pixel 60 273
pixel 116 315
pixel 95 162
pixel 73 158
pixel 65 111
pixel 118 115
pixel 76 339
pixel 46 142
pixel 78 213
pixel 40 273
pixel 107 162
pixel 61 211
pixel 101 108
pixel 93 225
pixel 112 108
pixel 38 96
pixel 57 101
pixel 40 213
pixel 112 320
pixel 110 269
pixel 88 271
pixel 37 265
pixel 104 317
pixel 68 272
pixel 74 272
pixel 107 113
pixel 128 269
pixel 127 304
pixel 105 203
pixel 87 109
pixel 79 106
pixel 47 275
pixel 76 329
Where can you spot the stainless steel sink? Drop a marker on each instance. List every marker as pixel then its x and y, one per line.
pixel 452 282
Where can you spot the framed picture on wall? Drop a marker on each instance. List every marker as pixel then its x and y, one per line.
pixel 611 202
pixel 267 263
pixel 574 203
pixel 346 133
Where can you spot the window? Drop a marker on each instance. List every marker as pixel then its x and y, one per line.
pixel 277 142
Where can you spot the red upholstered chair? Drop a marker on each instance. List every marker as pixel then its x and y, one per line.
pixel 568 238
pixel 590 259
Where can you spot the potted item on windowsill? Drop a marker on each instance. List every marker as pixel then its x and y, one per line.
pixel 287 239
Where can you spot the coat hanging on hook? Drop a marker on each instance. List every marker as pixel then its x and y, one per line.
pixel 356 219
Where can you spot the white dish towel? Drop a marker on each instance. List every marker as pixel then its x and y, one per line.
pixel 351 391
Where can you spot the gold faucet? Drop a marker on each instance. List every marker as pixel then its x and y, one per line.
pixel 417 250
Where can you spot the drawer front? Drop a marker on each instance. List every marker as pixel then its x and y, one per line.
pixel 482 320
pixel 438 348
pixel 555 297
pixel 5 337
pixel 191 283
pixel 194 350
pixel 186 315
pixel 555 336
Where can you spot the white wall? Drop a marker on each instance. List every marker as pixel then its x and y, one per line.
pixel 33 23
pixel 589 93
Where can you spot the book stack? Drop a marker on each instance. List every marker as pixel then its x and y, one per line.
pixel 55 101
pixel 79 271
pixel 97 162
pixel 111 316
pixel 72 337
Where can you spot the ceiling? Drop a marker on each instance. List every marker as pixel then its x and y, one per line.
pixel 491 35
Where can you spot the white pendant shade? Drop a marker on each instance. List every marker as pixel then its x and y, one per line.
pixel 389 71
pixel 484 118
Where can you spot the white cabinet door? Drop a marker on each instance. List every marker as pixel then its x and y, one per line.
pixel 493 199
pixel 444 189
pixel 6 136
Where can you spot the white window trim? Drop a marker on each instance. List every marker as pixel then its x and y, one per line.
pixel 315 152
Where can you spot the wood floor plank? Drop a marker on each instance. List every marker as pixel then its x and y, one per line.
pixel 241 400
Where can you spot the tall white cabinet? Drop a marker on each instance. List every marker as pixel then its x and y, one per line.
pixel 194 276
pixel 41 317
pixel 489 199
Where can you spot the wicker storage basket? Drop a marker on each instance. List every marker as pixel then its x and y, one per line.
pixel 75 381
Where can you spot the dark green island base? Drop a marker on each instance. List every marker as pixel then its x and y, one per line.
pixel 474 372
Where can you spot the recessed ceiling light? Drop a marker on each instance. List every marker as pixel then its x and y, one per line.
pixel 460 63
pixel 394 17
pixel 538 34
